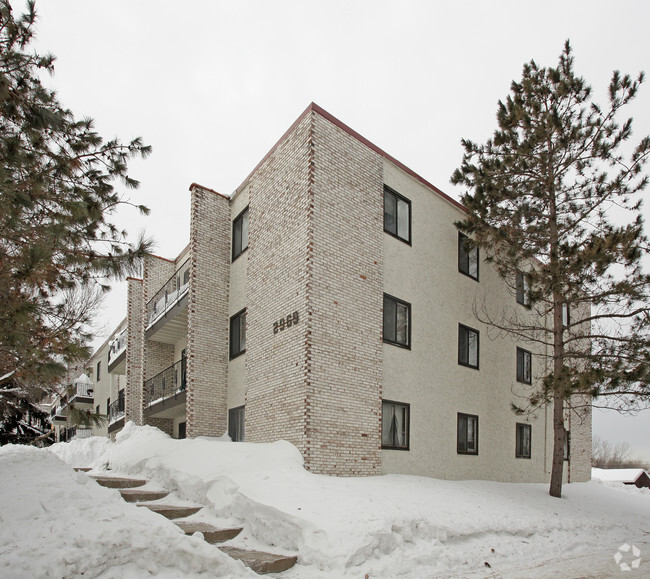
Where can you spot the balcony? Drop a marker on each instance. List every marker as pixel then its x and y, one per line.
pixel 81 392
pixel 59 414
pixel 117 353
pixel 116 413
pixel 166 311
pixel 164 394
pixel 68 434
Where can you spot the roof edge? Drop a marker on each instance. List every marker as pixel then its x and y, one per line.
pixel 313 107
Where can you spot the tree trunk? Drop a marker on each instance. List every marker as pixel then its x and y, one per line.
pixel 559 435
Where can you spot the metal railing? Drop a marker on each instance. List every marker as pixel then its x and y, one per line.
pixel 116 409
pixel 167 383
pixel 169 294
pixel 81 390
pixel 117 346
pixel 67 434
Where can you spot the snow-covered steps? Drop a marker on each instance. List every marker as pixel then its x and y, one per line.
pixel 210 534
pixel 116 482
pixel 171 511
pixel 260 562
pixel 136 495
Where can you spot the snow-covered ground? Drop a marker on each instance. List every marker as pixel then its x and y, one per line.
pixel 55 520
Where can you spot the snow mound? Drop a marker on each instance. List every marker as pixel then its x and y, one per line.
pixel 384 526
pixel 55 522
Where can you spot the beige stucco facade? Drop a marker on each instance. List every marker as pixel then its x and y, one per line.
pixel 317 252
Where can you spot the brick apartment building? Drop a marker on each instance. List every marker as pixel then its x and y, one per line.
pixel 330 302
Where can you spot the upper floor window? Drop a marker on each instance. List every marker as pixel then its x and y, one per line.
pixel 397 215
pixel 240 234
pixel 567 444
pixel 395 425
pixel 467 434
pixel 522 444
pixel 523 288
pixel 524 366
pixel 99 370
pixel 467 257
pixel 238 334
pixel 236 424
pixel 566 318
pixel 397 321
pixel 467 346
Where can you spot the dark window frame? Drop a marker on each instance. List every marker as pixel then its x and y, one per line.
pixel 237 249
pixel 236 319
pixel 397 301
pixel 237 417
pixel 478 347
pixel 396 234
pixel 408 425
pixel 522 287
pixel 520 450
pixel 566 315
pixel 464 256
pixel 99 370
pixel 567 444
pixel 461 416
pixel 521 355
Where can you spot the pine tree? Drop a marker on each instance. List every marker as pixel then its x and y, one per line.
pixel 58 245
pixel 553 202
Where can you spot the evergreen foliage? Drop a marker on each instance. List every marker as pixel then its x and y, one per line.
pixel 21 420
pixel 555 194
pixel 58 245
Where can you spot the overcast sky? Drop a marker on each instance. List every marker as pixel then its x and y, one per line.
pixel 212 85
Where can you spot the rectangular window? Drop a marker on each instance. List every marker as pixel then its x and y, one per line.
pixel 467 346
pixel 395 418
pixel 108 403
pixel 99 371
pixel 467 434
pixel 567 444
pixel 566 319
pixel 397 215
pixel 397 321
pixel 523 288
pixel 467 257
pixel 524 366
pixel 238 334
pixel 182 430
pixel 522 445
pixel 240 234
pixel 236 424
pixel 97 409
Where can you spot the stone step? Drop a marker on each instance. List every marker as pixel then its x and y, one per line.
pixel 261 562
pixel 115 482
pixel 210 534
pixel 82 468
pixel 136 495
pixel 171 511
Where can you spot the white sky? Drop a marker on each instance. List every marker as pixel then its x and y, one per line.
pixel 212 85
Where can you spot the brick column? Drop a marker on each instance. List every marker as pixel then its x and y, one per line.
pixel 207 316
pixel 133 402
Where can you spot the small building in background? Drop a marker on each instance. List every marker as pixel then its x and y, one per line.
pixel 629 476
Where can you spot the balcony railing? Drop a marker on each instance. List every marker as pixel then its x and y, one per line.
pixel 169 294
pixel 67 434
pixel 116 409
pixel 81 390
pixel 168 383
pixel 117 346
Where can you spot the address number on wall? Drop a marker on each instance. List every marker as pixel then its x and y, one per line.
pixel 286 322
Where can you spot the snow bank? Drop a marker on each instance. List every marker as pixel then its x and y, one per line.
pixel 383 526
pixel 55 522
